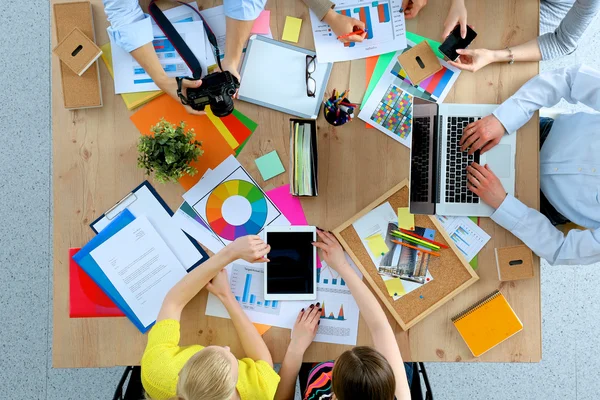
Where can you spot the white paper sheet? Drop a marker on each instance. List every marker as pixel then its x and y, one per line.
pixel 141 267
pixel 130 77
pixel 143 203
pixel 375 222
pixel 194 226
pixel 467 235
pixel 386 31
pixel 247 284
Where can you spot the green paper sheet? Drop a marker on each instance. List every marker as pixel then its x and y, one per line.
pixel 248 123
pixel 385 59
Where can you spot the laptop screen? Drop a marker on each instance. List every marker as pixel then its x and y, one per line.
pixel 423 166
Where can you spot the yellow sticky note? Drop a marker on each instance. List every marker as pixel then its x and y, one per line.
pixel 395 287
pixel 405 219
pixel 291 30
pixel 377 245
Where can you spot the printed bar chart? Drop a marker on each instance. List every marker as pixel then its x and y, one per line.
pixel 247 286
pixel 340 316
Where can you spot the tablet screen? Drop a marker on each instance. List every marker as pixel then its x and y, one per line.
pixel 290 270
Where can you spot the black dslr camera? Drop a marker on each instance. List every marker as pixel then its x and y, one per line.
pixel 217 90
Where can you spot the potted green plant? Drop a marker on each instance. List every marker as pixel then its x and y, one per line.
pixel 169 151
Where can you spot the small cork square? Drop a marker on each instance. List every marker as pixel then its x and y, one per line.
pixel 514 263
pixel 77 51
pixel 420 62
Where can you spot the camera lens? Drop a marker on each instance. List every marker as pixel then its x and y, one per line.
pixel 230 92
pixel 222 108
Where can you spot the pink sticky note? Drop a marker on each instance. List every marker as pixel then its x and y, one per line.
pixel 262 23
pixel 290 206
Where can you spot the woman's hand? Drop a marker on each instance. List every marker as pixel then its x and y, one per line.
pixel 170 87
pixel 456 16
pixel 219 285
pixel 250 248
pixel 413 7
pixel 473 60
pixel 305 328
pixel 485 184
pixel 331 250
pixel 483 134
pixel 342 25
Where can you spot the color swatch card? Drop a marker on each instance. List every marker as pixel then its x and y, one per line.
pixel 232 204
pixel 291 29
pixel 384 25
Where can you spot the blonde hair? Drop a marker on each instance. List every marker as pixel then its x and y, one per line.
pixel 206 376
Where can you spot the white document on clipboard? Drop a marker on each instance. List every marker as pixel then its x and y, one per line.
pixel 144 201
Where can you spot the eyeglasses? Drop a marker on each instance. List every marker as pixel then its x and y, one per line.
pixel 311 84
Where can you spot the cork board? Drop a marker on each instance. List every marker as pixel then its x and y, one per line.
pixel 451 273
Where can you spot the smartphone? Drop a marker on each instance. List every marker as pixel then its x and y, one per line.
pixel 454 42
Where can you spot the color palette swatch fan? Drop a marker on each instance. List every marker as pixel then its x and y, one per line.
pixel 232 204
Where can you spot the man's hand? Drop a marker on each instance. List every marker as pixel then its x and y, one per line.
pixel 483 134
pixel 413 7
pixel 305 328
pixel 170 87
pixel 485 184
pixel 342 25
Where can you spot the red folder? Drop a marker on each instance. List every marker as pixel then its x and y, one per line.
pixel 86 299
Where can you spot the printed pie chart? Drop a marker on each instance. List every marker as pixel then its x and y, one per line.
pixel 236 208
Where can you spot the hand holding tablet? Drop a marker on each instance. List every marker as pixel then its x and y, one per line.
pixel 291 273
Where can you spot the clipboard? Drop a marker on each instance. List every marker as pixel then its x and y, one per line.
pixel 274 76
pixel 144 200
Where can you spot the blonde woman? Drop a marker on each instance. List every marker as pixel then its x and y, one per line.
pixel 170 371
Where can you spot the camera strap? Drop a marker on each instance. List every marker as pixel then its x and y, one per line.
pixel 179 44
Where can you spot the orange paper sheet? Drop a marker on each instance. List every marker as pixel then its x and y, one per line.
pixel 262 329
pixel 216 149
pixel 371 62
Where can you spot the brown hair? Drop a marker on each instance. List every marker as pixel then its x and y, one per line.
pixel 206 376
pixel 363 373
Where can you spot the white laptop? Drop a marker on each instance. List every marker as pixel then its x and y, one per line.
pixel 438 176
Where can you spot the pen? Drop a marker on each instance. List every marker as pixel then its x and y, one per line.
pixel 358 32
pixel 416 248
pixel 415 240
pixel 411 233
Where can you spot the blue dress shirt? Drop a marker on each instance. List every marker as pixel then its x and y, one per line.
pixel 569 166
pixel 130 28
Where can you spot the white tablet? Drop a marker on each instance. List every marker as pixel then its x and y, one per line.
pixel 291 273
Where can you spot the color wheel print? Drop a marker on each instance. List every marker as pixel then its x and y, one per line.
pixel 236 208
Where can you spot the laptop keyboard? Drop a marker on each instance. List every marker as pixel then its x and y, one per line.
pixel 457 162
pixel 420 160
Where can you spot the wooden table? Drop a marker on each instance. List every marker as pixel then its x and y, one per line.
pixel 94 154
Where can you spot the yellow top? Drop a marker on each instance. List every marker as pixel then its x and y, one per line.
pixel 163 360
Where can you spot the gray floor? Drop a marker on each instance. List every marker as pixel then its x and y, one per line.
pixel 571 313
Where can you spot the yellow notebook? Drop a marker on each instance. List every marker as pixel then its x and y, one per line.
pixel 132 100
pixel 487 323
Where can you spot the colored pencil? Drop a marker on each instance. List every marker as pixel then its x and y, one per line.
pixel 415 240
pixel 411 233
pixel 416 248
